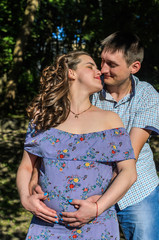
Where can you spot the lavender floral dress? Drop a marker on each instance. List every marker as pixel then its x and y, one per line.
pixel 76 166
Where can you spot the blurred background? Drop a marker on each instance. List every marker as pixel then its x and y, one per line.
pixel 32 34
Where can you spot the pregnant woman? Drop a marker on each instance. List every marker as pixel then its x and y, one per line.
pixel 79 144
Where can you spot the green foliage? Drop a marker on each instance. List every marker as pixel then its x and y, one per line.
pixel 11 15
pixel 7 51
pixel 61 26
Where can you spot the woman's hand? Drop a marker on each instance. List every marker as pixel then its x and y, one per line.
pixel 86 212
pixel 36 189
pixel 94 198
pixel 35 205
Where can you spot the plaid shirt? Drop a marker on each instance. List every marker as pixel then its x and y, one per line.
pixel 138 109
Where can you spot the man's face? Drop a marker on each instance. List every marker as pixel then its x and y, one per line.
pixel 114 68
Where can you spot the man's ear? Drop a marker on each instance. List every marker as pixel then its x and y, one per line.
pixel 135 67
pixel 71 74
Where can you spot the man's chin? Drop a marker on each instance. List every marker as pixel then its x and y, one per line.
pixel 107 80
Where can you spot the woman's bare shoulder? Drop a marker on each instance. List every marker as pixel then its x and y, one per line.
pixel 114 119
pixel 109 118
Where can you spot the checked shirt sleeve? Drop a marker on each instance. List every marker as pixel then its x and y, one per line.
pixel 147 114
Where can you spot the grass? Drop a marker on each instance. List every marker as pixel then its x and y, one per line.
pixel 14 220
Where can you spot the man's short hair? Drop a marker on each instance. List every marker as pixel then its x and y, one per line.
pixel 129 43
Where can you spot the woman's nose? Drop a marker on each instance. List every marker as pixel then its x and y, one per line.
pixel 98 72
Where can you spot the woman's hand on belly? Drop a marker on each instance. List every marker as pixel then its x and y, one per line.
pixel 36 206
pixel 94 198
pixel 86 212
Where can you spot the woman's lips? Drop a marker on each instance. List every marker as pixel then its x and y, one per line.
pixel 98 78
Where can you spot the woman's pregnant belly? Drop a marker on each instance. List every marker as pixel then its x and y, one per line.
pixel 73 180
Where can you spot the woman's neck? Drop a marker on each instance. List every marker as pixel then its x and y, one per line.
pixel 78 105
pixel 79 99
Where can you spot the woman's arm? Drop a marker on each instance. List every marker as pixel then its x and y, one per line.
pixel 32 203
pixel 87 210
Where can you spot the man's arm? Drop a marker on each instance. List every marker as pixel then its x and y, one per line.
pixel 35 178
pixel 139 137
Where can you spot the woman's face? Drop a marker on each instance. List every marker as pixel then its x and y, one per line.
pixel 87 74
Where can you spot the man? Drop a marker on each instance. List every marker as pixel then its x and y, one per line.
pixel 137 103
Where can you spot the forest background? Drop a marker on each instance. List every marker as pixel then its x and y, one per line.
pixel 32 34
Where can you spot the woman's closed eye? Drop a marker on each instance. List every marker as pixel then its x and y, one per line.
pixel 91 67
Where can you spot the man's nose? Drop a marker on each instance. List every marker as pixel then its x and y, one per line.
pixel 104 68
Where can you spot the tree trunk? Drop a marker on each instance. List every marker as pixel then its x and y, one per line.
pixel 18 53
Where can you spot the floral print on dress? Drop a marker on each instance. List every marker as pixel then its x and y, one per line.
pixel 45 181
pixel 44 235
pixel 73 182
pixel 76 234
pixel 63 154
pixel 61 197
pixel 77 166
pixel 59 164
pixel 107 236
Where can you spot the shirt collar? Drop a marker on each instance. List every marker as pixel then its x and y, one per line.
pixel 107 96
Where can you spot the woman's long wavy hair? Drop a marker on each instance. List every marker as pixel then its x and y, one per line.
pixel 52 106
